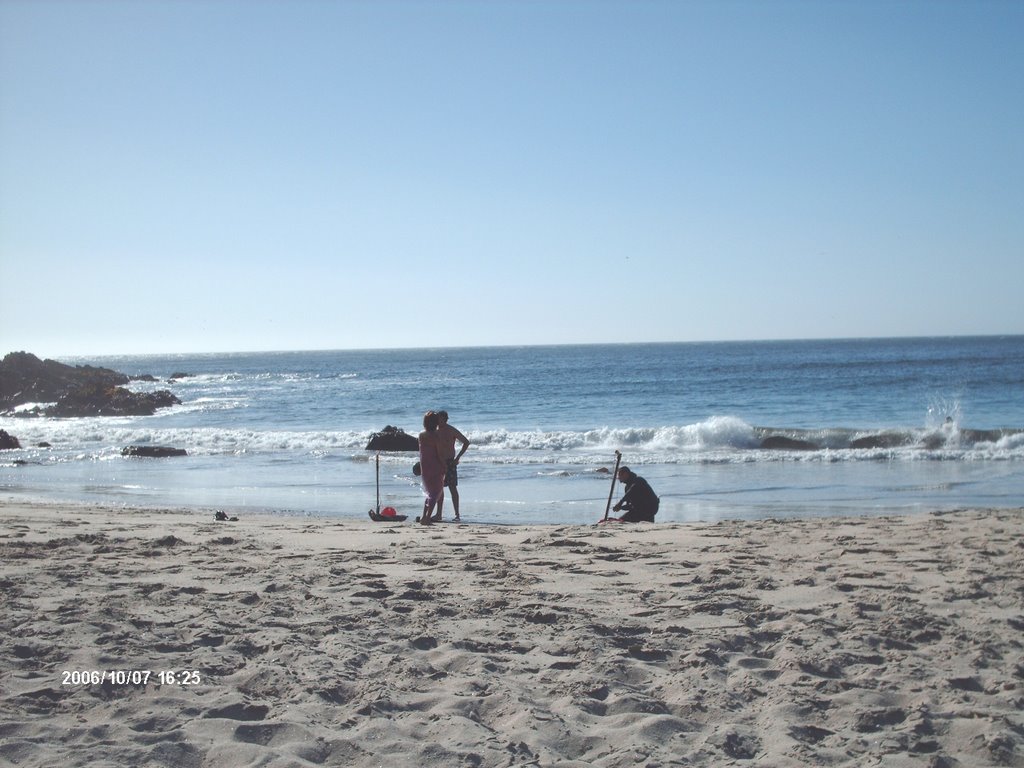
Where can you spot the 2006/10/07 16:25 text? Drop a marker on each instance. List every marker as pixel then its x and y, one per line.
pixel 129 677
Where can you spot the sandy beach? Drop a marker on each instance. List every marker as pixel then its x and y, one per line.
pixel 164 638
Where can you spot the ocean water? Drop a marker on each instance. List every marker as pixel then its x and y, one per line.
pixel 883 425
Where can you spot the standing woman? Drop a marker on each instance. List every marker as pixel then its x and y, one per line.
pixel 432 465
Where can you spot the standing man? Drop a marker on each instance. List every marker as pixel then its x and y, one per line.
pixel 639 500
pixel 448 436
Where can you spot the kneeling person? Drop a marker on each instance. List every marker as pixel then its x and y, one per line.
pixel 639 500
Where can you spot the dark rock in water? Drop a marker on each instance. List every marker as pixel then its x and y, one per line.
pixel 8 442
pixel 153 451
pixel 882 440
pixel 24 378
pixel 76 390
pixel 782 443
pixel 392 439
pixel 98 400
pixel 180 375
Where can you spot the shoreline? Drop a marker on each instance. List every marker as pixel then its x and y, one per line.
pixel 696 510
pixel 337 641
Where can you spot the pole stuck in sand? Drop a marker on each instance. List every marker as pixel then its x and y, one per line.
pixel 611 491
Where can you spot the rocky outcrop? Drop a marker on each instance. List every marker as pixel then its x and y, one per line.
pixel 81 390
pixel 153 451
pixel 97 400
pixel 24 378
pixel 8 442
pixel 392 439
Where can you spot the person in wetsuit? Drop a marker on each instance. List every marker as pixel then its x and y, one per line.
pixel 639 500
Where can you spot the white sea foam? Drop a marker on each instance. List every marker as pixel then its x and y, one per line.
pixel 720 439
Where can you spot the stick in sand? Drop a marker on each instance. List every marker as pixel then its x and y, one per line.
pixel 611 491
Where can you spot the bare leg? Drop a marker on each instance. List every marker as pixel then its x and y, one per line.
pixel 454 490
pixel 428 508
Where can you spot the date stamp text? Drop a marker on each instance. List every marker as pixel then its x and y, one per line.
pixel 127 677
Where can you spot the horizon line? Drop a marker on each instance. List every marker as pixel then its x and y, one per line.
pixel 911 337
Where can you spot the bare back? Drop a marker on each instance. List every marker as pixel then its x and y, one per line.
pixel 447 435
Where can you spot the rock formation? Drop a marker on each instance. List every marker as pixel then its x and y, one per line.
pixel 81 390
pixel 153 451
pixel 24 378
pixel 392 439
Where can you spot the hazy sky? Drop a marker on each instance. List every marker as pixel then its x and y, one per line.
pixel 220 175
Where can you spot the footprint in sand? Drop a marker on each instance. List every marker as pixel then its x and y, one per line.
pixel 269 734
pixel 239 711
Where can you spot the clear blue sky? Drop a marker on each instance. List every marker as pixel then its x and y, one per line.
pixel 219 175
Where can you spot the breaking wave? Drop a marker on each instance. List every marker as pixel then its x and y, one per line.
pixel 726 438
pixel 720 439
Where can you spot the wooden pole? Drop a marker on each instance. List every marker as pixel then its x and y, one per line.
pixel 611 491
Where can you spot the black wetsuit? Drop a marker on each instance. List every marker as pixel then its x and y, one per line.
pixel 639 501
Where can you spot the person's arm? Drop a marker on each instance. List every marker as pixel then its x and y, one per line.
pixel 625 500
pixel 465 443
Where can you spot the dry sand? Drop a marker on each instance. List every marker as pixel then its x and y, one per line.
pixel 891 641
